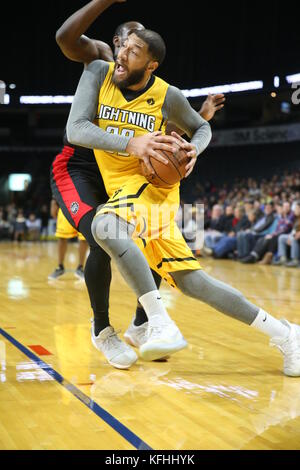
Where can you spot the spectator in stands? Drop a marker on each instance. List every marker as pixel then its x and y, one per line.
pixel 228 224
pixel 257 206
pixel 19 226
pixel 219 225
pixel 5 227
pixel 294 203
pixel 44 216
pixel 254 190
pixel 267 246
pixel 33 228
pixel 247 239
pixel 226 246
pixel 214 227
pixel 291 241
pixel 11 214
pixel 248 205
pixel 192 230
pixel 229 219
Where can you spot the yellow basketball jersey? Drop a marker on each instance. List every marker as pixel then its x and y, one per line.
pixel 135 118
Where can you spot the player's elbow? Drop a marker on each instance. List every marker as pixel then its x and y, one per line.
pixel 61 37
pixel 203 137
pixel 72 134
pixel 66 46
pixel 208 132
pixel 63 44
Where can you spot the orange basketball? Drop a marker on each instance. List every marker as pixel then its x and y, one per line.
pixel 166 176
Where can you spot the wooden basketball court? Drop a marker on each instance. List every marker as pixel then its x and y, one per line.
pixel 226 391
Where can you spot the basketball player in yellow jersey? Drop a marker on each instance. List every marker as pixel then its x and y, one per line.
pixel 65 232
pixel 129 85
pixel 82 168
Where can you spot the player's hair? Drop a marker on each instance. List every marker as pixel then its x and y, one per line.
pixel 156 44
pixel 123 28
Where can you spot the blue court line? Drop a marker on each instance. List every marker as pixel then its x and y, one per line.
pixel 85 399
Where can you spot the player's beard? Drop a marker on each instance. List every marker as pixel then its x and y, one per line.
pixel 133 78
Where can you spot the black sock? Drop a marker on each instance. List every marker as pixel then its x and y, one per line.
pixel 157 278
pixel 101 322
pixel 61 266
pixel 140 316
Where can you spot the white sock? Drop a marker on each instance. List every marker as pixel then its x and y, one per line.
pixel 269 325
pixel 153 305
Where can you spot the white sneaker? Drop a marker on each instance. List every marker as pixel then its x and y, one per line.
pixel 290 348
pixel 136 335
pixel 163 339
pixel 117 353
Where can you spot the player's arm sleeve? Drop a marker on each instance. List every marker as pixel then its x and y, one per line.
pixel 178 110
pixel 80 128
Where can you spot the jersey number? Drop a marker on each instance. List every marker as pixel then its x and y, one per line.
pixel 124 133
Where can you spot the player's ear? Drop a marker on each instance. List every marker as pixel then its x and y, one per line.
pixel 153 65
pixel 116 41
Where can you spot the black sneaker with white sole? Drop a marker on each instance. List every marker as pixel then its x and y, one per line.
pixel 79 273
pixel 57 273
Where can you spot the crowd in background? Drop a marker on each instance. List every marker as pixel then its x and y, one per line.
pixel 252 221
pixel 19 225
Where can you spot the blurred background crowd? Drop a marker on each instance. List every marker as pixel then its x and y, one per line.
pixel 249 220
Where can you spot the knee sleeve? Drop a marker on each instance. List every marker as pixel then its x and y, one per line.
pixel 108 228
pixel 114 235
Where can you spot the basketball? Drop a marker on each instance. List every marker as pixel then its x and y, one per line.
pixel 166 176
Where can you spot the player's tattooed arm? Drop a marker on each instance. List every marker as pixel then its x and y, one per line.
pixel 72 41
pixel 211 105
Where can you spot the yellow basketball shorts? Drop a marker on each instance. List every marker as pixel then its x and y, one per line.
pixel 152 212
pixel 64 229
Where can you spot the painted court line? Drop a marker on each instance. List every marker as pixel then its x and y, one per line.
pixel 40 350
pixel 128 435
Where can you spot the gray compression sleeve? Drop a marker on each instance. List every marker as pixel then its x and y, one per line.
pixel 80 128
pixel 114 236
pixel 225 299
pixel 178 110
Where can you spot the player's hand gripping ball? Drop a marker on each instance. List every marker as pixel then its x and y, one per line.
pixel 165 176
